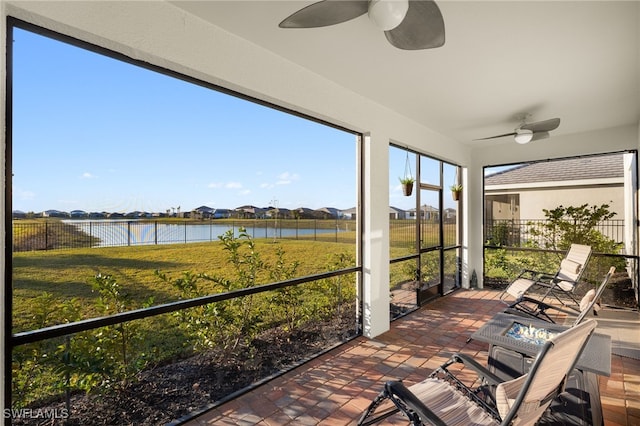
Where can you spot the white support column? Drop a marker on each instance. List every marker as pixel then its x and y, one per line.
pixel 472 246
pixel 630 214
pixel 630 203
pixel 375 260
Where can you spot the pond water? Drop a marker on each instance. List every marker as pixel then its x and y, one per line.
pixel 130 232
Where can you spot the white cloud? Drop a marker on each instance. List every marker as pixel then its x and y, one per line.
pixel 233 185
pixel 286 178
pixel 87 175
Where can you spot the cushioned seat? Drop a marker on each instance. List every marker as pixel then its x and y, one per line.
pixel 560 284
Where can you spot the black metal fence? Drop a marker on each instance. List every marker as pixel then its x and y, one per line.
pixel 523 232
pixel 55 235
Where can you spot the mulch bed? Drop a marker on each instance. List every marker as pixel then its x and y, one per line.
pixel 163 394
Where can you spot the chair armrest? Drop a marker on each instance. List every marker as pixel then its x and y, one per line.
pixel 545 280
pixel 542 306
pixel 483 373
pixel 403 398
pixel 530 272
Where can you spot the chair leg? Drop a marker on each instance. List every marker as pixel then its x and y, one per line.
pixel 553 293
pixel 368 417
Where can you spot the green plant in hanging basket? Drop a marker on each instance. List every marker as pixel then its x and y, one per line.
pixel 455 191
pixel 407 180
pixel 407 185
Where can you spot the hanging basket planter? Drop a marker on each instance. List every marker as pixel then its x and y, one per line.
pixel 407 186
pixel 408 180
pixel 456 190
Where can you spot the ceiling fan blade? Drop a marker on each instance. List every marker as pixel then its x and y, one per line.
pixel 542 126
pixel 539 135
pixel 325 13
pixel 496 136
pixel 422 27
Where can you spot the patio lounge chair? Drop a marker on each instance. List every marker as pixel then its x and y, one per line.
pixel 531 307
pixel 442 399
pixel 560 285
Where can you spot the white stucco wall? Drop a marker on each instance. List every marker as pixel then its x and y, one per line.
pixel 532 202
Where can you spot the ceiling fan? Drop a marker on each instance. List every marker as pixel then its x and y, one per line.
pixel 528 132
pixel 407 24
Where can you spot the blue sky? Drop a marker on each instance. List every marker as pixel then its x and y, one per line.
pixel 96 134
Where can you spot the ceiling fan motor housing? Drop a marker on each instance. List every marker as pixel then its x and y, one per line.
pixel 388 14
pixel 523 136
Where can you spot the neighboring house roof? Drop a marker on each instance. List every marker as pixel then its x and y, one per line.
pixel 396 210
pixel 272 211
pixel 204 209
pixel 251 209
pixel 425 208
pixel 329 210
pixel 580 168
pixel 303 210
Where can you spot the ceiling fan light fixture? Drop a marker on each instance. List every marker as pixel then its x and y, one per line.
pixel 523 136
pixel 388 14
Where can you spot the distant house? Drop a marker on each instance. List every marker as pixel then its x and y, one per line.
pixel 328 213
pixel 450 215
pixel 278 212
pixel 426 213
pixel 396 213
pixel 304 213
pixel 247 212
pixel 78 214
pixel 350 213
pixel 137 215
pixel 203 212
pixel 524 191
pixel 55 213
pixel 222 213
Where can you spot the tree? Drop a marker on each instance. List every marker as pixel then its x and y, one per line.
pixel 569 225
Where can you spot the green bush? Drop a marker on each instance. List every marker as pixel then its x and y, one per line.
pixel 564 226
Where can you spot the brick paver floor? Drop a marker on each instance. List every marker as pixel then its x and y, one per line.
pixel 335 388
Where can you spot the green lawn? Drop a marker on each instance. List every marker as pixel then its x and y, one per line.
pixel 67 274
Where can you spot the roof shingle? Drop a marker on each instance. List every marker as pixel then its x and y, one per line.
pixel 579 168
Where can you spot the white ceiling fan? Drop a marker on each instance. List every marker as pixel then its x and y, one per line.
pixel 407 24
pixel 528 132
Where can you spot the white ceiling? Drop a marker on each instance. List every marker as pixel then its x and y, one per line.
pixel 577 60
